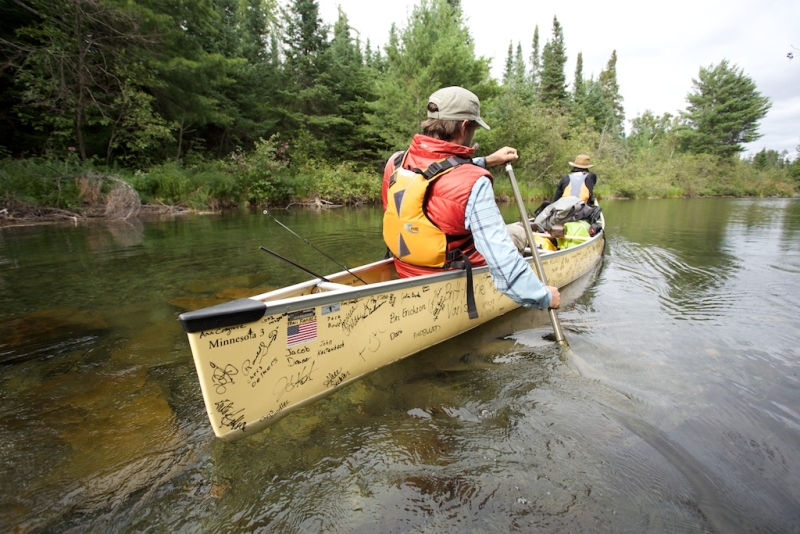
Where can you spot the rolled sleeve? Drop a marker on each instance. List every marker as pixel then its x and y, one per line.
pixel 510 272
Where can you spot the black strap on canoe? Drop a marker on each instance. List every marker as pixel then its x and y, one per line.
pixel 467 245
pixel 458 260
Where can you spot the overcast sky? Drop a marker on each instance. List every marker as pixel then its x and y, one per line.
pixel 660 45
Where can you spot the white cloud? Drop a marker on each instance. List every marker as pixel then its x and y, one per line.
pixel 660 46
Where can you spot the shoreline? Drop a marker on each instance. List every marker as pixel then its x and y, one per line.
pixel 56 216
pixel 150 212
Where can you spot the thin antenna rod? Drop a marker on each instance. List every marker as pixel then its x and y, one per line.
pixel 290 262
pixel 268 214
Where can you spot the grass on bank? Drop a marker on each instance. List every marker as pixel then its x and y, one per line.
pixel 262 178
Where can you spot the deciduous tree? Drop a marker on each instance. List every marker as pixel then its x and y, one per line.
pixel 77 66
pixel 650 132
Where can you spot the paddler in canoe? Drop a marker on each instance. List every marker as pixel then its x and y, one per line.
pixel 440 209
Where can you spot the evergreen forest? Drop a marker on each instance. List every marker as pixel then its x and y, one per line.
pixel 214 104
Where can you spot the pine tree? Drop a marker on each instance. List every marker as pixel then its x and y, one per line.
pixel 434 50
pixel 553 86
pixel 536 65
pixel 724 111
pixel 515 79
pixel 770 159
pixel 519 67
pixel 305 40
pixel 595 106
pixel 508 73
pixel 195 76
pixel 351 82
pixel 579 88
pixel 610 91
pixel 241 33
pixel 578 96
pixel 307 97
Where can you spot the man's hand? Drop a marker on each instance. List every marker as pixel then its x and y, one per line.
pixel 555 299
pixel 504 155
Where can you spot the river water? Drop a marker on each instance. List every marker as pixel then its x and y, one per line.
pixel 676 408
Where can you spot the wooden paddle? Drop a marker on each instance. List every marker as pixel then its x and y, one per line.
pixel 537 262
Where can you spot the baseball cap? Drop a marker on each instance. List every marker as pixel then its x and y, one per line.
pixel 456 104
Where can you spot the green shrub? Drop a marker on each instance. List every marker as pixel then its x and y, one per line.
pixel 47 182
pixel 339 184
pixel 168 183
pixel 263 173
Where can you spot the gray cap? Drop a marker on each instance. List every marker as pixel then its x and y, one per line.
pixel 456 104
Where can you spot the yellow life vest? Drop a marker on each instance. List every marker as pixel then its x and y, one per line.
pixel 408 232
pixel 545 243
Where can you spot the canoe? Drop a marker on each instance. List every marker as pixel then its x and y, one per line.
pixel 260 358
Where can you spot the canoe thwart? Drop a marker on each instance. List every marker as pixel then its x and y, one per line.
pixel 333 286
pixel 239 311
pixel 575 237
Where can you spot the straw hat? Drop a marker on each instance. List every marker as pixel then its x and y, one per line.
pixel 581 162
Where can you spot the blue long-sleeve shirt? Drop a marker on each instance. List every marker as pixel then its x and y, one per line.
pixel 510 272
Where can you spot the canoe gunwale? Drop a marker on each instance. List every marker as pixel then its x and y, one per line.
pixel 253 308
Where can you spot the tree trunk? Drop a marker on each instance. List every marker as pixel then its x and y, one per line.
pixel 180 139
pixel 80 103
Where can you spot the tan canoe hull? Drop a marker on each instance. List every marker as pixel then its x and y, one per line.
pixel 260 358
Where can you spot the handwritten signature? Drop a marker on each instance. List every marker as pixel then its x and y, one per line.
pixel 294 380
pixel 355 315
pixel 229 416
pixel 227 331
pixel 450 296
pixel 335 378
pixel 223 376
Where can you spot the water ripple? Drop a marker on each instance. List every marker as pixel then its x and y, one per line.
pixel 685 291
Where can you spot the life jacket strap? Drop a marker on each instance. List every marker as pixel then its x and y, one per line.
pixel 438 167
pixel 467 244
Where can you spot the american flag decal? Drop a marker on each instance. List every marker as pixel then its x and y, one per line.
pixel 302 327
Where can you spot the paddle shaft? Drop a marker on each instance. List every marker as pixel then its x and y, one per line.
pixel 537 262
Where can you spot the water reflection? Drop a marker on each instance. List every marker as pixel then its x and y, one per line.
pixel 127 233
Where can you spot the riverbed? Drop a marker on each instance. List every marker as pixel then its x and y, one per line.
pixel 675 409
